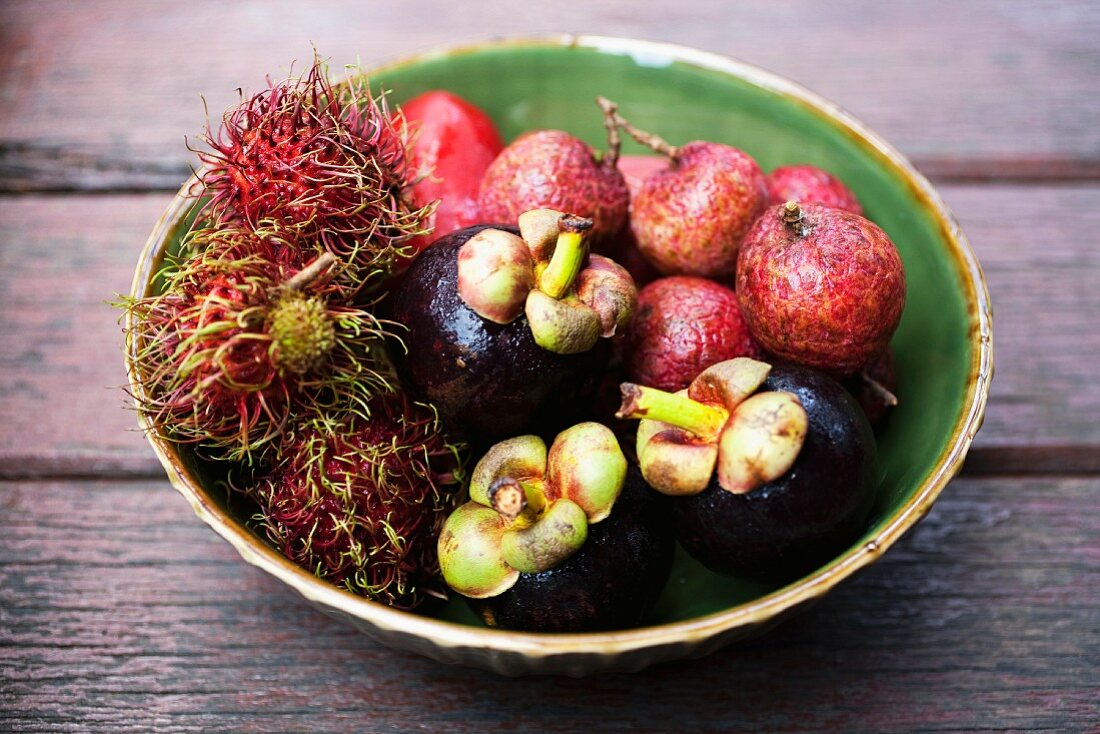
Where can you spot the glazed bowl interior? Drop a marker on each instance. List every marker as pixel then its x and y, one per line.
pixel 941 346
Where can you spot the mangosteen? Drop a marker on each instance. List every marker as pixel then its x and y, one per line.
pixel 769 484
pixel 569 540
pixel 506 328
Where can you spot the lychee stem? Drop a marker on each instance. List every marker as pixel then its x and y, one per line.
pixel 648 139
pixel 614 142
pixel 309 273
pixel 703 420
pixel 884 394
pixel 792 217
pixel 568 257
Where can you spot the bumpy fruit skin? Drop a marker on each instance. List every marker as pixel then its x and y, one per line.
pixel 360 502
pixel 792 525
pixel 637 168
pixel 489 379
pixel 830 298
pixel 610 583
pixel 318 166
pixel 683 325
pixel 451 144
pixel 689 218
pixel 554 170
pixel 810 185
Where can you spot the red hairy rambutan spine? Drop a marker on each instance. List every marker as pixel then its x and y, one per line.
pixel 360 502
pixel 309 161
pixel 234 346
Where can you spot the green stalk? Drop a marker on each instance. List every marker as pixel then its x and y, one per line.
pixel 703 420
pixel 568 258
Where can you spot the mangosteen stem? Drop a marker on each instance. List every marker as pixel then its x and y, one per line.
pixel 304 277
pixel 648 139
pixel 569 254
pixel 515 500
pixel 614 142
pixel 703 420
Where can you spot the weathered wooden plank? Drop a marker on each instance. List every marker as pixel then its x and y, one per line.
pixel 98 95
pixel 61 258
pixel 62 407
pixel 119 611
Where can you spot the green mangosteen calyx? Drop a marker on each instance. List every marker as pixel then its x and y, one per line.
pixel 570 297
pixel 530 508
pixel 719 422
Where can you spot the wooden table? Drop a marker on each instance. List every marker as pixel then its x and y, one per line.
pixel 120 611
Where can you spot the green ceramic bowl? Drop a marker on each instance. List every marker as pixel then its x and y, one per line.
pixel 943 346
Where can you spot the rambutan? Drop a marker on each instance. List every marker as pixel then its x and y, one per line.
pixel 234 346
pixel 308 161
pixel 360 503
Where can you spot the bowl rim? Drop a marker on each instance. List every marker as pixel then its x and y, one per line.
pixel 454 634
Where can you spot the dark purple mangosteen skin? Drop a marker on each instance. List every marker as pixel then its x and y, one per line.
pixel 490 380
pixel 610 583
pixel 789 527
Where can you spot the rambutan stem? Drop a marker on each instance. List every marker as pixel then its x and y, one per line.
pixel 654 142
pixel 310 273
pixel 705 421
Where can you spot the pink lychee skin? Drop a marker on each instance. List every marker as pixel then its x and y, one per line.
pixel 810 185
pixel 830 299
pixel 637 168
pixel 624 248
pixel 553 169
pixel 683 325
pixel 689 219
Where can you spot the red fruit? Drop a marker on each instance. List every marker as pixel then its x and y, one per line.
pixel 451 144
pixel 360 502
pixel 810 185
pixel 689 218
pixel 683 325
pixel 554 170
pixel 232 348
pixel 637 168
pixel 820 286
pixel 307 161
pixel 624 248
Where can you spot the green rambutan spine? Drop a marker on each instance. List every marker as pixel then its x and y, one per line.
pixel 233 348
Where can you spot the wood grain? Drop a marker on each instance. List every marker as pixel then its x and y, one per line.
pixel 62 407
pixel 98 95
pixel 120 611
pixel 62 258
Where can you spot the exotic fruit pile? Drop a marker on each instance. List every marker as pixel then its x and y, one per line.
pixel 368 303
pixel 263 348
